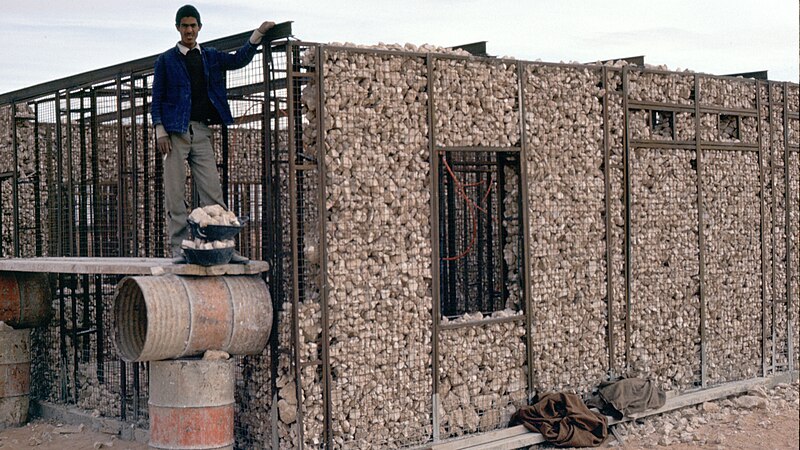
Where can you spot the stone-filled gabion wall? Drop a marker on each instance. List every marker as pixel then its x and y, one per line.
pixel 732 264
pixel 378 247
pixel 665 302
pixel 566 204
pixel 484 377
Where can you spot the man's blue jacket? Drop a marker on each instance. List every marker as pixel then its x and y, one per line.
pixel 172 91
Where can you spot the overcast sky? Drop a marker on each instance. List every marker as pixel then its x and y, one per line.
pixel 43 40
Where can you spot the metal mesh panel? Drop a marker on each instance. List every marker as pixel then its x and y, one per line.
pixel 566 191
pixel 665 301
pixel 731 198
pixel 378 249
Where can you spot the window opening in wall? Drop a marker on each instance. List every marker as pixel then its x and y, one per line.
pixel 480 224
pixel 662 123
pixel 729 127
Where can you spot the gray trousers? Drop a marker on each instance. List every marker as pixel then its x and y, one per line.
pixel 195 147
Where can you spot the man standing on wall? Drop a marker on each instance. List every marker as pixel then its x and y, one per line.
pixel 189 94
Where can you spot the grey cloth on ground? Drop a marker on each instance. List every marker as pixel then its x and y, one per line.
pixel 627 396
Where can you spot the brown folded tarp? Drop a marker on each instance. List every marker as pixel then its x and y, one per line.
pixel 627 396
pixel 564 420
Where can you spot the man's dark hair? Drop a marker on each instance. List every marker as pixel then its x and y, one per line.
pixel 187 11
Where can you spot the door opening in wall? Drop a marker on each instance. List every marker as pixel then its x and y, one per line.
pixel 480 240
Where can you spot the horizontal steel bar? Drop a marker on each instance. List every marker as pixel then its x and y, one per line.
pixel 691 144
pixel 732 111
pixel 478 149
pixel 637 104
pixel 480 323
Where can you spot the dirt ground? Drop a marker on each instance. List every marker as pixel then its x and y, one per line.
pixel 761 429
pixel 43 435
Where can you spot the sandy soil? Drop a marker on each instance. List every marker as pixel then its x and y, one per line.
pixel 759 429
pixel 54 436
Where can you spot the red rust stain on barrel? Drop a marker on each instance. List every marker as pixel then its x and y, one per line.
pixel 9 298
pixel 205 427
pixel 212 315
pixel 15 379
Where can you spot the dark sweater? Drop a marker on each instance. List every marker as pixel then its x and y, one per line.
pixel 202 109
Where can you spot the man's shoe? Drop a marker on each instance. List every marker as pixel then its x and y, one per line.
pixel 238 259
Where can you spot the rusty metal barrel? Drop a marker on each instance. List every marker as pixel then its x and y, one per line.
pixel 15 376
pixel 169 316
pixel 25 299
pixel 191 404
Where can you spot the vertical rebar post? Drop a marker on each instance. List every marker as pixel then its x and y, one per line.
pixel 627 181
pixel 15 177
pixel 224 166
pixel 502 161
pixel 96 239
pixel 146 170
pixel 609 236
pixel 700 232
pixel 323 246
pixel 763 232
pixel 69 214
pixel 134 184
pixel 60 209
pixel 291 66
pixel 788 233
pixel 83 234
pixel 522 205
pixel 437 263
pixel 773 228
pixel 120 172
pixel 37 180
pixel 62 333
pixel 271 228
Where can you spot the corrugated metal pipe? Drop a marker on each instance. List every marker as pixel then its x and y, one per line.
pixel 169 316
pixel 25 299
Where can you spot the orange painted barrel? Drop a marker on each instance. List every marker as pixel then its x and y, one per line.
pixel 191 404
pixel 169 316
pixel 15 376
pixel 25 299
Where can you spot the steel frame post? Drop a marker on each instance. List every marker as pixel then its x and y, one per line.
pixel 773 227
pixel 15 178
pixel 59 180
pixel 788 233
pixel 271 234
pixel 70 194
pixel 120 172
pixel 134 175
pixel 763 231
pixel 37 195
pixel 700 233
pixel 436 263
pixel 609 237
pixel 527 291
pixel 290 92
pixel 627 195
pixel 323 219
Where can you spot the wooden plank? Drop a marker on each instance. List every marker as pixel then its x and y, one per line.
pixel 519 436
pixel 126 266
pixel 490 436
pixel 511 443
